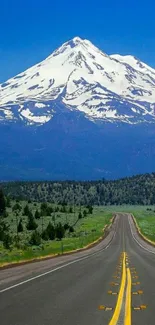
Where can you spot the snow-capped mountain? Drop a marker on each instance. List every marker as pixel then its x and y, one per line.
pixel 90 107
pixel 78 77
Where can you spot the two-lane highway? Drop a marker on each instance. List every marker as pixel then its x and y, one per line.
pixel 113 283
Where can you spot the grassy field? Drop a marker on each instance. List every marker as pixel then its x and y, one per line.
pixel 86 230
pixel 146 222
pixel 145 217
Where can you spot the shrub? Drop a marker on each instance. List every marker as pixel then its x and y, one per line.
pixel 35 238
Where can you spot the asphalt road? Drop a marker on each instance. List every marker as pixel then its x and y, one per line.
pixel 83 288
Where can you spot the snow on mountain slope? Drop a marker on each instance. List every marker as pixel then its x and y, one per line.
pixel 78 76
pixel 135 63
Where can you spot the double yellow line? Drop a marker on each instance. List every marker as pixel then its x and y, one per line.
pixel 126 277
pixel 127 320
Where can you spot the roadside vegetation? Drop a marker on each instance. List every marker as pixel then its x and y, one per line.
pixel 44 218
pixel 146 221
pixel 31 229
pixel 144 215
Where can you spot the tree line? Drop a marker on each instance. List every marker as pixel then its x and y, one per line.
pixel 139 189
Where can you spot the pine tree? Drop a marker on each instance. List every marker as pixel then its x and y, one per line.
pixel 66 226
pixel 53 218
pixel 90 209
pixel 45 235
pixel 8 201
pixel 4 228
pixel 80 215
pixel 63 209
pixel 44 209
pixel 2 202
pixel 16 207
pixel 7 241
pixel 20 226
pixel 71 229
pixel 35 238
pixel 70 210
pixel 51 209
pixel 31 225
pixel 60 231
pixel 37 215
pixel 26 210
pixel 51 231
pixel 5 214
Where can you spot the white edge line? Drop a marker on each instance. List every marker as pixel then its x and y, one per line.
pixel 57 268
pixel 41 275
pixel 136 239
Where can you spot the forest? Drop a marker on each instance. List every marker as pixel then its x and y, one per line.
pixel 136 190
pixel 61 215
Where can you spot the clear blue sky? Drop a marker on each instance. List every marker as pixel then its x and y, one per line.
pixel 30 30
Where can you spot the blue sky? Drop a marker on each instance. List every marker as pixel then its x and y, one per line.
pixel 32 29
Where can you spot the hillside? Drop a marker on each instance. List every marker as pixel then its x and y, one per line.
pixel 138 189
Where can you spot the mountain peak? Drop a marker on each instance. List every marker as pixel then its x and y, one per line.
pixel 74 42
pixel 78 76
pixel 77 39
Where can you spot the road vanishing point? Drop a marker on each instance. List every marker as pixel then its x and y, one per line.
pixel 112 283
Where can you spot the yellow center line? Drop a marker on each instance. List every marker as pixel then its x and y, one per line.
pixel 127 320
pixel 116 313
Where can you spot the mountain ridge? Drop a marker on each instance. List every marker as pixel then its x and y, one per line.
pixel 80 77
pixel 79 114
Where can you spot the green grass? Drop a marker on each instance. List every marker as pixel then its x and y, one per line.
pixel 145 218
pixel 86 231
pixel 146 222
